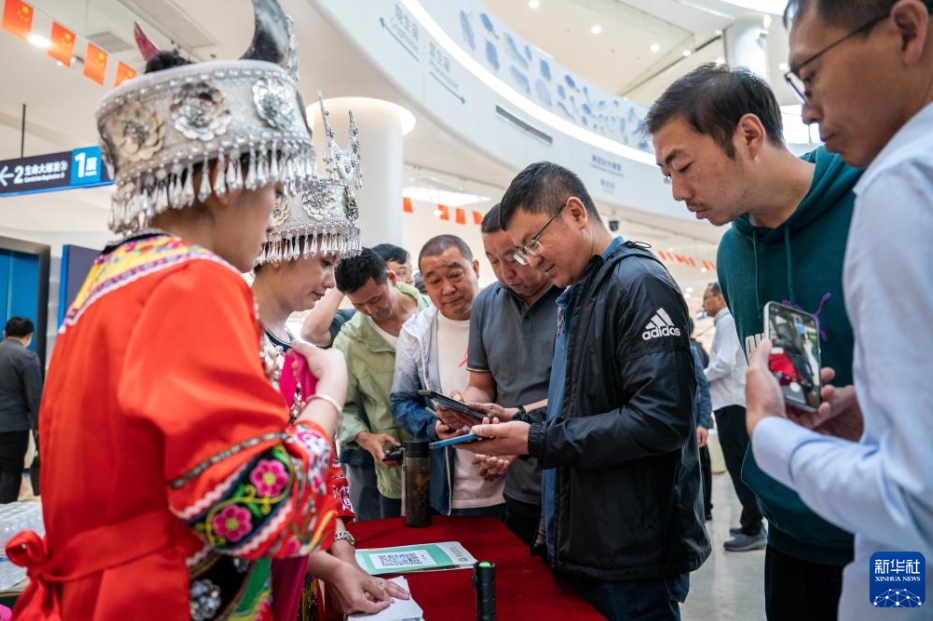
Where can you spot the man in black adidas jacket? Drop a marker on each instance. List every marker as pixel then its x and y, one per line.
pixel 621 498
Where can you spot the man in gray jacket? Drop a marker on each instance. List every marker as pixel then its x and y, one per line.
pixel 20 392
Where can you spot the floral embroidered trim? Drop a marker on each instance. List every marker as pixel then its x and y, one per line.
pixel 219 457
pixel 247 509
pixel 211 497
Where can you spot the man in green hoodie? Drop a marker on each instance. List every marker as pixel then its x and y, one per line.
pixel 718 136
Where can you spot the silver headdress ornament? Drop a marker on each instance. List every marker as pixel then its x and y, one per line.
pixel 324 218
pixel 158 129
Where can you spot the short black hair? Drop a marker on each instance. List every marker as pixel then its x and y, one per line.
pixel 712 98
pixel 19 327
pixel 543 187
pixel 352 273
pixel 439 244
pixel 849 14
pixel 166 59
pixel 491 223
pixel 391 252
pixel 714 288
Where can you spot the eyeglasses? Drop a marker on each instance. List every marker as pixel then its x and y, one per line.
pixel 533 247
pixel 793 78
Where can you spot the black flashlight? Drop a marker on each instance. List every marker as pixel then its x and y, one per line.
pixel 484 581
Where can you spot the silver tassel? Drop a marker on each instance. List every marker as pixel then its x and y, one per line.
pixel 220 186
pixel 204 191
pixel 231 171
pixel 261 174
pixel 188 191
pixel 251 174
pixel 273 164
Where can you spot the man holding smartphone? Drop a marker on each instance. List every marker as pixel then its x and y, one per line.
pixel 432 355
pixel 864 71
pixel 718 136
pixel 512 331
pixel 623 513
pixel 368 341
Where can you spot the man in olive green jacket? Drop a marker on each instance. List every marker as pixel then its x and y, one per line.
pixel 368 342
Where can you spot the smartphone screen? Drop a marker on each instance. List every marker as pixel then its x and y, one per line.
pixel 795 354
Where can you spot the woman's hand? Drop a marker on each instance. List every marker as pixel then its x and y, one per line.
pixel 348 588
pixel 328 366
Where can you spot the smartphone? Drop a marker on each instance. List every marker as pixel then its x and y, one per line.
pixel 795 354
pixel 470 437
pixel 395 455
pixel 451 404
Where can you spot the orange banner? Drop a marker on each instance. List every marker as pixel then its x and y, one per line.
pixel 461 216
pixel 63 44
pixel 95 63
pixel 443 212
pixel 17 18
pixel 124 72
pixel 477 218
pixel 407 206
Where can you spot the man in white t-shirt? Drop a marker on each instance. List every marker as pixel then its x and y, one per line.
pixel 432 355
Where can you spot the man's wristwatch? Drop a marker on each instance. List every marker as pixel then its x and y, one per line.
pixel 344 535
pixel 521 411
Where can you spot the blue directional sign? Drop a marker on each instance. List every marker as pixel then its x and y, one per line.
pixel 79 168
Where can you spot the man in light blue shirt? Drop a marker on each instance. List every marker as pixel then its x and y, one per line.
pixel 880 116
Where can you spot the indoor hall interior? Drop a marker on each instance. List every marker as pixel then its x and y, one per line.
pixel 451 99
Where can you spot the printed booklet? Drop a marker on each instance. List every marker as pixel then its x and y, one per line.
pixel 419 557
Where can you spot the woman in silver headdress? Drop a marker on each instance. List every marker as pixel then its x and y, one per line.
pixel 313 232
pixel 170 480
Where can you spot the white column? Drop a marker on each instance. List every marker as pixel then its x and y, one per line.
pixel 747 43
pixel 382 127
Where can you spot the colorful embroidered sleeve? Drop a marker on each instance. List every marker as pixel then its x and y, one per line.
pixel 244 483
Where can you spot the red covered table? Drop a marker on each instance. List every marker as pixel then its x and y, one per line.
pixel 525 587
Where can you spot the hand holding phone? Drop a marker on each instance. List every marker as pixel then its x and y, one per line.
pixel 394 456
pixel 795 354
pixel 466 438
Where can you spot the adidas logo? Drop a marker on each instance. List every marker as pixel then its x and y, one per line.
pixel 660 325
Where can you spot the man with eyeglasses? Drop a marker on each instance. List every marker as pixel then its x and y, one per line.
pixel 718 137
pixel 623 512
pixel 867 75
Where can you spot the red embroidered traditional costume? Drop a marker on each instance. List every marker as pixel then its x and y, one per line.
pixel 170 476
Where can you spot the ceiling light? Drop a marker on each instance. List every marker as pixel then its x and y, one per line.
pixel 784 67
pixel 655 48
pixel 687 53
pixel 718 33
pixel 39 41
pixel 688 296
pixel 720 61
pixel 596 29
pixel 533 4
pixel 689 289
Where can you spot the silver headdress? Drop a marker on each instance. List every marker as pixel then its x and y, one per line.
pixel 159 128
pixel 324 218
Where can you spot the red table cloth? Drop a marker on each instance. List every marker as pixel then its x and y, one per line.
pixel 525 587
